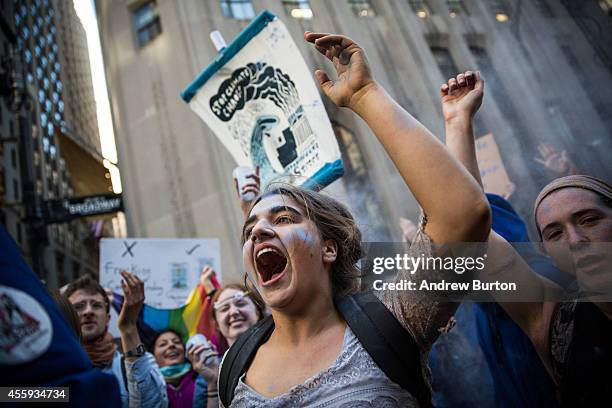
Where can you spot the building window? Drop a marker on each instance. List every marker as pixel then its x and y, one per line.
pixel 298 9
pixel 19 234
pixel 15 189
pixel 362 8
pixel 420 8
pixel 76 269
pixel 500 9
pixel 499 93
pixel 59 265
pixel 545 9
pixel 238 9
pixel 585 81
pixel 445 62
pixel 2 186
pixel 14 158
pixel 146 23
pixel 456 8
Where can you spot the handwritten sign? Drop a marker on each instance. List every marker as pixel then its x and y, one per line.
pixel 170 268
pixel 492 171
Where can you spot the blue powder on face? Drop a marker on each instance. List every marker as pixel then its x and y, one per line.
pixel 305 241
pixel 305 237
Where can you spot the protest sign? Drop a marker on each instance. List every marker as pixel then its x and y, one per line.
pixel 170 268
pixel 492 171
pixel 260 100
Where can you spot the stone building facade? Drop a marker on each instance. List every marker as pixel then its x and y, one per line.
pixel 548 77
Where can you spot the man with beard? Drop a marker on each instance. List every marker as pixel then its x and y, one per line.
pixel 140 381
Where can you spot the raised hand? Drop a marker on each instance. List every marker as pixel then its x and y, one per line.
pixel 462 96
pixel 206 279
pixel 205 361
pixel 253 186
pixel 352 69
pixel 133 292
pixel 557 162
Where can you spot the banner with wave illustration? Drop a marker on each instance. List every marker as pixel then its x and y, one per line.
pixel 259 98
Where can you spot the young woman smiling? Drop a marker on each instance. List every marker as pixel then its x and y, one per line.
pixel 188 384
pixel 235 310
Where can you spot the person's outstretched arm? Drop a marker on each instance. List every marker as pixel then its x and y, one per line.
pixel 435 178
pixel 461 97
pixel 145 383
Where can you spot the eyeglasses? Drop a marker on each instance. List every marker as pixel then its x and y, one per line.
pixel 238 300
pixel 95 305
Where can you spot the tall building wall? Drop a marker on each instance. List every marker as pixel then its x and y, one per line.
pixel 540 69
pixel 58 142
pixel 80 102
pixel 10 178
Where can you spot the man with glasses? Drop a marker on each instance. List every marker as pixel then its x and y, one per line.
pixel 140 381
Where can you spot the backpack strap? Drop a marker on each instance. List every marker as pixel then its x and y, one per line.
pixel 239 357
pixel 124 374
pixel 391 347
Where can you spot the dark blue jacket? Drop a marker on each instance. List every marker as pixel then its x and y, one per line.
pixel 38 347
pixel 487 360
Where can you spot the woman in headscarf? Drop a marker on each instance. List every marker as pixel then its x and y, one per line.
pixel 577 211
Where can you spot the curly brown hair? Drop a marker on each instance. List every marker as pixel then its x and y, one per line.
pixel 334 222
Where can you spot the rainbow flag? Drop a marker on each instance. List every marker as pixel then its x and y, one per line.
pixel 194 317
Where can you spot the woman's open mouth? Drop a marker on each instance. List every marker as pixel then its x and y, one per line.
pixel 270 265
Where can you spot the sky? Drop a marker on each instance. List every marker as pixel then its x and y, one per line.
pixel 86 12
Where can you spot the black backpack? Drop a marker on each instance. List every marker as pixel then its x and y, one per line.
pixel 391 347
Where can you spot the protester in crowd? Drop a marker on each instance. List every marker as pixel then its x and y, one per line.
pixel 68 312
pixel 235 310
pixel 39 349
pixel 187 385
pixel 301 250
pixel 573 338
pixel 515 373
pixel 578 347
pixel 140 381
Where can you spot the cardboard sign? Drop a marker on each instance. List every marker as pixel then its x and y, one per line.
pixel 260 100
pixel 492 171
pixel 170 268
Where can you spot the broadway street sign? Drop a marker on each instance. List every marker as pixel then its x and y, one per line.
pixel 76 207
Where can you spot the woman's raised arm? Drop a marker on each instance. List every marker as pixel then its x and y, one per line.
pixel 455 205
